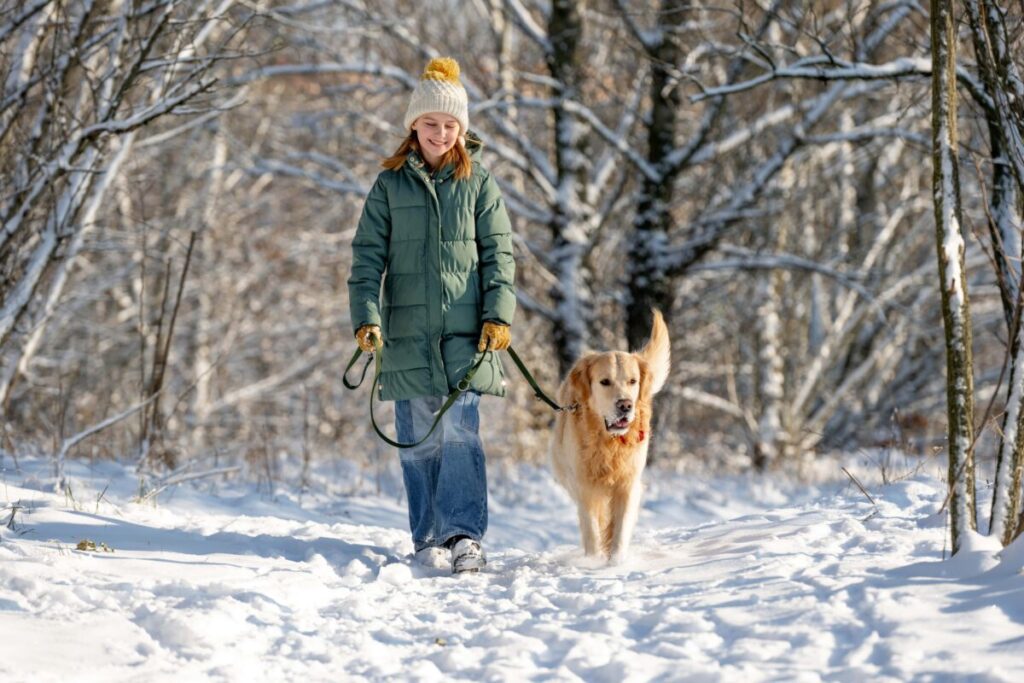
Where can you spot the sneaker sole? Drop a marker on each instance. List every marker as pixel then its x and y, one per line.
pixel 474 568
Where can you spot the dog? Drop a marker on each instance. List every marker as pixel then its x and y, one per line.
pixel 599 446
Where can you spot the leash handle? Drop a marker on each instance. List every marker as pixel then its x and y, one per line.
pixel 344 377
pixel 355 357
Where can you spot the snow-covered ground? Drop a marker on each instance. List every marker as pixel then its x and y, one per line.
pixel 733 578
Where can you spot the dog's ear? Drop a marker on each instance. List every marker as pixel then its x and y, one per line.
pixel 579 382
pixel 646 378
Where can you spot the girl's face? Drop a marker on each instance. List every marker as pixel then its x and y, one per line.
pixel 437 133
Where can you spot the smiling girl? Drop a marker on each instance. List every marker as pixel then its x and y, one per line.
pixel 435 230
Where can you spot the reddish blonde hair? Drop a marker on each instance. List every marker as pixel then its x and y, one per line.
pixel 457 156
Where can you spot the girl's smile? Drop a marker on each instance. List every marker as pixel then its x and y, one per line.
pixel 437 133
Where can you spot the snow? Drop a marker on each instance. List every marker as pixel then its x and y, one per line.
pixel 732 577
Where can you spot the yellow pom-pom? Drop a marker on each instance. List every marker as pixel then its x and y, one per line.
pixel 442 69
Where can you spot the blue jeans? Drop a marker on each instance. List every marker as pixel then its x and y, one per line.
pixel 445 476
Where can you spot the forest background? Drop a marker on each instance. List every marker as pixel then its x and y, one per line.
pixel 182 180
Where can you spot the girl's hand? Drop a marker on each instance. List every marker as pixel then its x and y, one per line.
pixel 365 336
pixel 499 335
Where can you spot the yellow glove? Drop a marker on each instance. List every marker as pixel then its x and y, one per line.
pixel 500 336
pixel 365 335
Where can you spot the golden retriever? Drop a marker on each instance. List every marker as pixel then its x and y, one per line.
pixel 599 447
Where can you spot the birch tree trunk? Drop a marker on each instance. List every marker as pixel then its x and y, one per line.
pixel 771 440
pixel 768 442
pixel 205 258
pixel 1005 119
pixel 952 279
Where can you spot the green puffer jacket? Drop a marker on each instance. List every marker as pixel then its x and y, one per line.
pixel 444 249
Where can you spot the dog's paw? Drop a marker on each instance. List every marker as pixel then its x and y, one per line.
pixel 617 559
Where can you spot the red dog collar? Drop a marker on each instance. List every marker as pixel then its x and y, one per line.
pixel 639 438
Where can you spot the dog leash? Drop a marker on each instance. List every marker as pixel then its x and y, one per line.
pixel 537 391
pixel 460 388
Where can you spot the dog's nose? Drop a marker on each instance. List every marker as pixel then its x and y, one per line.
pixel 624 405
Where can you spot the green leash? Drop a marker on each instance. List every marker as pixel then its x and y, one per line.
pixel 532 382
pixel 460 388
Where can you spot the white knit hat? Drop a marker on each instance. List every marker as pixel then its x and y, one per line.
pixel 439 90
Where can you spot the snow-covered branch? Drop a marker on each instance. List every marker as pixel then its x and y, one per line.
pixel 780 261
pixel 16 21
pixel 821 68
pixel 76 439
pixel 648 39
pixel 255 390
pixel 824 69
pixel 710 400
pixel 394 73
pixel 865 134
pixel 534 31
pixel 282 168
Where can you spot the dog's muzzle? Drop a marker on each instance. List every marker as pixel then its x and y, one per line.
pixel 618 425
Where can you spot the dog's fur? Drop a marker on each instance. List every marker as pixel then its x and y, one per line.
pixel 599 449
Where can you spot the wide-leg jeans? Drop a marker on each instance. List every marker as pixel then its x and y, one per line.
pixel 445 476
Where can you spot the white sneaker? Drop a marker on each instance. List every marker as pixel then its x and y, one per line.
pixel 467 556
pixel 435 558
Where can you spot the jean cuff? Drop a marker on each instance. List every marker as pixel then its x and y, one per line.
pixel 449 536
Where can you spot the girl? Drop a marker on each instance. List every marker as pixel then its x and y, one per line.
pixel 434 228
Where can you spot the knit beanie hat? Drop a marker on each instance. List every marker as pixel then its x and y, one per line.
pixel 439 90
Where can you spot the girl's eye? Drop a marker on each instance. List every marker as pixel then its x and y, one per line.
pixel 606 382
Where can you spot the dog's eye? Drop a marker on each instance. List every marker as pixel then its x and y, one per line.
pixel 606 382
pixel 632 381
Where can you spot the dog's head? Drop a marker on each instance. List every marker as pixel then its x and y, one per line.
pixel 611 385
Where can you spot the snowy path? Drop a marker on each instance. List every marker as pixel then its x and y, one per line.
pixel 732 579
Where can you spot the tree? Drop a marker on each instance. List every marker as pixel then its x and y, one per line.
pixel 755 170
pixel 952 277
pixel 83 78
pixel 1002 107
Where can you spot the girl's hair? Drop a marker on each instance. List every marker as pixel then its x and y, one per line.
pixel 457 155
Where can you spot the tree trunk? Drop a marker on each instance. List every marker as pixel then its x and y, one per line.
pixel 1006 131
pixel 21 354
pixel 771 441
pixel 205 257
pixel 649 285
pixel 568 223
pixel 952 279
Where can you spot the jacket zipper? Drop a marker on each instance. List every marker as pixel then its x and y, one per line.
pixel 431 184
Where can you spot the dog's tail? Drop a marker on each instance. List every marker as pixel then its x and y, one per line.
pixel 657 352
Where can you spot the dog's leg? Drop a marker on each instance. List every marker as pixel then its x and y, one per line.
pixel 590 526
pixel 625 510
